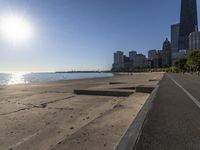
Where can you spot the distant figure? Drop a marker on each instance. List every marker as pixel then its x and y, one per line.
pixel 198 70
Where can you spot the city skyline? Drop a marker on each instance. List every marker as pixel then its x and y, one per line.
pixel 81 36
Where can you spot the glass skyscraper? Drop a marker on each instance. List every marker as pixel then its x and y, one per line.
pixel 188 22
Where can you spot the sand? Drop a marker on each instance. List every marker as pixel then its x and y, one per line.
pixel 48 116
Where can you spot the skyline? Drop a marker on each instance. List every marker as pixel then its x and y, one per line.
pixel 83 35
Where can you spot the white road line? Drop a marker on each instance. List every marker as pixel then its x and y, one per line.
pixel 186 92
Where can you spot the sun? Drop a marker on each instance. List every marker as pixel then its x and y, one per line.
pixel 15 29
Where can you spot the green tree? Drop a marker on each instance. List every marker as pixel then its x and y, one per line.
pixel 181 65
pixel 194 60
pixel 173 69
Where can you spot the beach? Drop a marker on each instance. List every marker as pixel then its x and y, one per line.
pixel 44 116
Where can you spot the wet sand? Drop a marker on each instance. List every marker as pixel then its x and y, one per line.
pixel 48 116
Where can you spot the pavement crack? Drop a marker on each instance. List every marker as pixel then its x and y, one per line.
pixel 31 106
pixel 57 100
pixel 59 92
pixel 3 114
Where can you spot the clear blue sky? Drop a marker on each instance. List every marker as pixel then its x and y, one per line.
pixel 83 34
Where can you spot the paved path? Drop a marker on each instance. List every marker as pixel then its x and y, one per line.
pixel 174 121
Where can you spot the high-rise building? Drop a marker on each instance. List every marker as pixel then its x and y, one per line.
pixel 132 54
pixel 157 60
pixel 119 57
pixel 139 61
pixel 188 22
pixel 194 41
pixel 174 37
pixel 126 59
pixel 152 54
pixel 155 56
pixel 166 54
pixel 118 61
pixel 124 63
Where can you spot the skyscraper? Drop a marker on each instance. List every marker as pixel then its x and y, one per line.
pixel 188 22
pixel 166 54
pixel 174 37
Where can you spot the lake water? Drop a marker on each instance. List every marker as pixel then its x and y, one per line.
pixel 25 78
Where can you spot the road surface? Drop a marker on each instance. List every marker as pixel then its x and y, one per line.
pixel 174 121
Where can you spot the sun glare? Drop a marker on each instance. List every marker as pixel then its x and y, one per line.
pixel 15 29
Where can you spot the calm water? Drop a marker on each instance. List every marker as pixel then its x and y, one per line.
pixel 21 78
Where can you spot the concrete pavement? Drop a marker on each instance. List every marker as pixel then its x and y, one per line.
pixel 44 116
pixel 174 121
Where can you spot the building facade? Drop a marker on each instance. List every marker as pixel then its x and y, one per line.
pixel 118 60
pixel 132 54
pixel 139 61
pixel 188 22
pixel 194 41
pixel 174 37
pixel 119 57
pixel 157 60
pixel 152 54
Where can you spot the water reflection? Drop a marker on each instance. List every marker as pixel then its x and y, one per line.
pixel 16 78
pixel 21 78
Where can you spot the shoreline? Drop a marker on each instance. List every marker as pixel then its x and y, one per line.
pixel 57 81
pixel 44 82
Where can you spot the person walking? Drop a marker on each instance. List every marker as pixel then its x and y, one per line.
pixel 198 70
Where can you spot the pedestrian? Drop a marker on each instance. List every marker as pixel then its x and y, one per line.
pixel 198 70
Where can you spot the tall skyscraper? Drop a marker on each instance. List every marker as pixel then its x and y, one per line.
pixel 166 54
pixel 174 37
pixel 188 22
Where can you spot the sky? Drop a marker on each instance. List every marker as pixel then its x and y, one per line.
pixel 84 34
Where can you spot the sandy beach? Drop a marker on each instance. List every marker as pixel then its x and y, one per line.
pixel 49 116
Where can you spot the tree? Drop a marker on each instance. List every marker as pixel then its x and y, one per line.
pixel 194 60
pixel 182 65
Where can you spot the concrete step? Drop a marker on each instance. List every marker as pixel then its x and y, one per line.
pixel 152 80
pixel 117 83
pixel 145 88
pixel 104 92
pixel 125 88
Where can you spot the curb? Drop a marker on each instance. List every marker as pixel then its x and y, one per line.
pixel 132 135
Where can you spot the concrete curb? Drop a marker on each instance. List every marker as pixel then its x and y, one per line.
pixel 132 135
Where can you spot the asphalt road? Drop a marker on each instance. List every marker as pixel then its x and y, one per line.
pixel 174 121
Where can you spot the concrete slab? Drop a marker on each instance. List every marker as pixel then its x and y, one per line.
pixel 104 132
pixel 64 118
